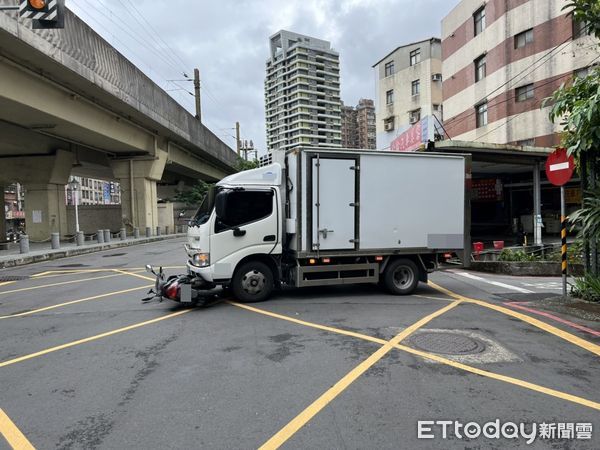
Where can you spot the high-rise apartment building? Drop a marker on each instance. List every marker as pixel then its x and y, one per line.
pixel 302 93
pixel 358 125
pixel 349 127
pixel 365 118
pixel 500 60
pixel 409 89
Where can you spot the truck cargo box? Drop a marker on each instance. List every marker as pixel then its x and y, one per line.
pixel 370 202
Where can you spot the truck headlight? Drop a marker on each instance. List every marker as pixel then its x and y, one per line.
pixel 201 260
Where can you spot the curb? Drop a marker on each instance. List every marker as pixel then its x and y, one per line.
pixel 35 257
pixel 514 268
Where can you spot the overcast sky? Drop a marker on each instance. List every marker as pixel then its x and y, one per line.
pixel 228 40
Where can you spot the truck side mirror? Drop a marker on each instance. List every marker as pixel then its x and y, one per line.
pixel 221 205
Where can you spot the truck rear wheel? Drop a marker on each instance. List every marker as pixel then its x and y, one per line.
pixel 252 282
pixel 401 277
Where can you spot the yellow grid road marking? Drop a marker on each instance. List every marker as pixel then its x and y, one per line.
pixel 506 379
pixel 587 345
pixel 91 338
pixel 62 272
pixel 12 434
pixel 484 373
pixel 73 302
pixel 143 277
pixel 66 272
pixel 305 416
pixel 61 283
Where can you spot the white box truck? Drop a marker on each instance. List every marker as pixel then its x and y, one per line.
pixel 318 217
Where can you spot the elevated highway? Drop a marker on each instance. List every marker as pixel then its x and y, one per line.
pixel 71 104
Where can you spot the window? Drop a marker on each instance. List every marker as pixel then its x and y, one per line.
pixel 416 87
pixel 524 38
pixel 482 114
pixel 479 20
pixel 480 68
pixel 244 207
pixel 437 107
pixel 414 116
pixel 389 97
pixel 389 68
pixel 388 124
pixel 524 92
pixel 415 57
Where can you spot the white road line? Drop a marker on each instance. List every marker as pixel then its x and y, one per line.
pixel 495 283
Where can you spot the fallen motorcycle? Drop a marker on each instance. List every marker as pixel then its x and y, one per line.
pixel 184 289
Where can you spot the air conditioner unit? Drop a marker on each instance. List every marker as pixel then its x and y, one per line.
pixel 389 126
pixel 414 118
pixel 436 77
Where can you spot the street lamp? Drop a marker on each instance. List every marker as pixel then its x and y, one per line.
pixel 74 186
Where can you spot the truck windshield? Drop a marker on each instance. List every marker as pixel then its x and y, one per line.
pixel 206 207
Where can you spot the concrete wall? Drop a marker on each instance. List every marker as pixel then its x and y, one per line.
pixel 95 217
pixel 165 216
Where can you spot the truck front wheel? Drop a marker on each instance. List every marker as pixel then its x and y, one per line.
pixel 252 282
pixel 401 277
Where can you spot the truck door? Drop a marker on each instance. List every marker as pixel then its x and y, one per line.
pixel 333 204
pixel 249 227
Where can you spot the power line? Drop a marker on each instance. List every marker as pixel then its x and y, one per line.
pixel 127 47
pixel 548 55
pixel 169 55
pixel 118 26
pixel 517 115
pixel 184 64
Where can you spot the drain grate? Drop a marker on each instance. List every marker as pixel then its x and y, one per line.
pixel 113 255
pixel 64 266
pixel 447 343
pixel 13 278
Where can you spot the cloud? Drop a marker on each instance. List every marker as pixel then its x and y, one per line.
pixel 228 41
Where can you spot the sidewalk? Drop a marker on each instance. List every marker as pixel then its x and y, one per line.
pixel 43 251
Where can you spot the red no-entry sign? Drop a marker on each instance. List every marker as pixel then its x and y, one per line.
pixel 559 167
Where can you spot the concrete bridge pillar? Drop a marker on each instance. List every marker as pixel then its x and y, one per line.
pixel 45 210
pixel 138 179
pixel 44 179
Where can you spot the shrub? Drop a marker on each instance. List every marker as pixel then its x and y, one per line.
pixel 509 255
pixel 587 288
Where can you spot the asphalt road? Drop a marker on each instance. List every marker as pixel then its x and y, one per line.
pixel 83 364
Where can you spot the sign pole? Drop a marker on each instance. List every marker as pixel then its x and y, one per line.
pixel 559 170
pixel 563 235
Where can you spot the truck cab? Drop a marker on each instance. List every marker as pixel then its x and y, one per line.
pixel 239 226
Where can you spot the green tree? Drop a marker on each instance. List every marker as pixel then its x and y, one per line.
pixel 243 164
pixel 195 195
pixel 576 106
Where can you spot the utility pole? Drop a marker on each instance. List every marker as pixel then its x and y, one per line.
pixel 237 137
pixel 248 148
pixel 197 94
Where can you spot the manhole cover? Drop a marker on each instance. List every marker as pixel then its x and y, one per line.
pixel 13 278
pixel 114 254
pixel 447 343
